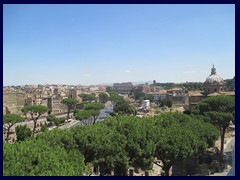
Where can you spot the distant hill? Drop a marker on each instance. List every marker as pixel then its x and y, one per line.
pixel 134 83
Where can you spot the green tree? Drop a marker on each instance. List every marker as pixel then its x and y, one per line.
pixel 124 107
pixel 35 113
pixel 55 120
pixel 23 132
pixel 172 144
pixel 165 102
pixel 102 146
pixel 71 104
pixel 114 97
pixel 87 97
pixel 219 110
pixel 10 120
pixel 36 157
pixel 103 97
pixel 90 110
pixel 44 128
pixel 110 90
pixel 121 106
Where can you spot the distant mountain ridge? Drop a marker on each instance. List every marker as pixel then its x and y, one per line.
pixel 134 83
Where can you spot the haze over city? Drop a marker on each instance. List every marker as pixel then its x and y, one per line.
pixel 94 44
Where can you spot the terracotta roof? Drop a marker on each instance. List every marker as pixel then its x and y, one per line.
pixel 214 94
pixel 159 92
pixel 176 89
pixel 195 93
pixel 229 93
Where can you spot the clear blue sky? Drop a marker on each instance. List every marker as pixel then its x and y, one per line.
pixel 92 44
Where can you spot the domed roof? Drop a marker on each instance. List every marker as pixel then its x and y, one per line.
pixel 214 78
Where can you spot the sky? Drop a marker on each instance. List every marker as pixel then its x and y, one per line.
pixel 94 44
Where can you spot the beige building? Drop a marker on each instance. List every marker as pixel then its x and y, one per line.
pixel 55 105
pixel 13 103
pixel 178 97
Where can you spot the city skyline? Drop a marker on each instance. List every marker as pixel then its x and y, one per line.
pixel 95 44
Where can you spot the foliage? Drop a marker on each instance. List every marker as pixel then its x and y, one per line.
pixel 165 102
pixel 88 97
pixel 149 97
pixel 112 145
pixel 193 86
pixel 35 112
pixel 229 84
pixel 36 157
pixel 53 119
pixel 173 144
pixel 44 128
pixel 110 90
pixel 219 110
pixel 121 106
pixel 124 107
pixel 114 97
pixel 89 110
pixel 10 120
pixel 103 97
pixel 23 132
pixel 71 104
pixel 84 116
pixel 101 146
pixel 59 137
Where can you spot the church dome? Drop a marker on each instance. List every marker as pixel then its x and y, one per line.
pixel 214 78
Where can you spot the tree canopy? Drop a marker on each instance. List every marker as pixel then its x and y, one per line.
pixel 111 145
pixel 9 120
pixel 219 110
pixel 71 104
pixel 121 106
pixel 37 158
pixel 87 97
pixel 103 97
pixel 35 113
pixel 89 110
pixel 23 132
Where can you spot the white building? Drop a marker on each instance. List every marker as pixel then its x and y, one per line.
pixel 146 104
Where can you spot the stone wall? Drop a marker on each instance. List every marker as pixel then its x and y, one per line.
pixel 14 102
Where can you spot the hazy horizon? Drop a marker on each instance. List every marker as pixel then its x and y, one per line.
pixel 96 44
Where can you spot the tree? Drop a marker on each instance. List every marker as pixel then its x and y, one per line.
pixel 23 132
pixel 35 113
pixel 103 147
pixel 103 97
pixel 110 90
pixel 37 157
pixel 44 128
pixel 114 97
pixel 53 119
pixel 165 102
pixel 84 116
pixel 90 110
pixel 219 110
pixel 171 142
pixel 10 120
pixel 71 104
pixel 121 106
pixel 88 97
pixel 124 107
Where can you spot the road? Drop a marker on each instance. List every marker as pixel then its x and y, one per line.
pixel 39 121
